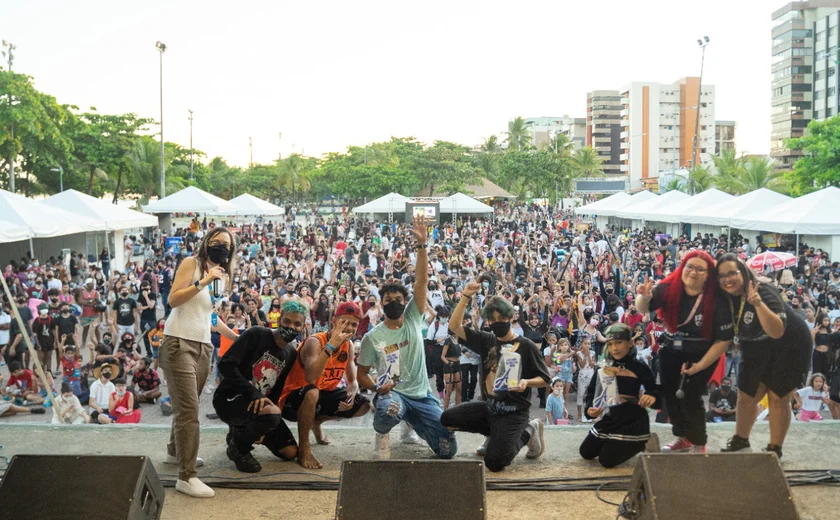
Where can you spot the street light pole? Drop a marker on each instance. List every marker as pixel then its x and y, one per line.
pixel 10 54
pixel 161 48
pixel 251 148
pixel 191 146
pixel 280 151
pixel 60 171
pixel 702 42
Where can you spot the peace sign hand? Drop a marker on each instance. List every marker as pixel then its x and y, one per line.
pixel 752 294
pixel 646 289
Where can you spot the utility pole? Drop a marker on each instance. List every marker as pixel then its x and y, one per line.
pixel 191 145
pixel 10 55
pixel 251 147
pixel 161 48
pixel 702 42
pixel 280 151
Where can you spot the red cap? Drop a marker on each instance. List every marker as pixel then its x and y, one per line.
pixel 348 309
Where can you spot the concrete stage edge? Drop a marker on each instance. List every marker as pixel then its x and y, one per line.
pixel 809 446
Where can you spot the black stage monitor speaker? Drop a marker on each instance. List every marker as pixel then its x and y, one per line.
pixel 735 486
pixel 70 487
pixel 411 490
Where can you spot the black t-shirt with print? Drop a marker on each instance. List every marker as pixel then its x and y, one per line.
pixel 66 326
pixel 255 366
pixel 148 314
pixel 724 402
pixel 125 311
pixel 489 348
pixel 692 330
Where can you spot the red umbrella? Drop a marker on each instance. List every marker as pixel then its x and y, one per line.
pixel 771 261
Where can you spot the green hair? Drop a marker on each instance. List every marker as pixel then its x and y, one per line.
pixel 294 307
pixel 497 304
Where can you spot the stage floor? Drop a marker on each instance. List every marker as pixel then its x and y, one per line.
pixel 809 446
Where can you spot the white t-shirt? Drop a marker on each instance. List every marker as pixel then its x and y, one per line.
pixel 101 393
pixel 5 319
pixel 811 400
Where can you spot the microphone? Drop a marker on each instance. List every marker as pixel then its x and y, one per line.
pixel 680 393
pixel 216 292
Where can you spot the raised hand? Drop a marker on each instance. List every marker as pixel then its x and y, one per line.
pixel 419 229
pixel 471 289
pixel 752 294
pixel 645 289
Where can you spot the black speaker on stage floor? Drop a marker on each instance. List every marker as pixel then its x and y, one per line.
pixel 735 486
pixel 411 490
pixel 70 487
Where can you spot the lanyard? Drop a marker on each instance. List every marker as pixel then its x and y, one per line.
pixel 736 320
pixel 693 310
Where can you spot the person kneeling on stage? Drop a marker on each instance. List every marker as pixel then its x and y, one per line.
pixel 615 395
pixel 311 394
pixel 504 418
pixel 254 371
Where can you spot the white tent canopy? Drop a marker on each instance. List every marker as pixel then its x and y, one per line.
pixel 640 210
pixel 12 231
pixel 678 211
pixel 755 204
pixel 114 217
pixel 391 203
pixel 634 199
pixel 613 201
pixel 247 204
pixel 460 203
pixel 812 214
pixel 190 200
pixel 41 220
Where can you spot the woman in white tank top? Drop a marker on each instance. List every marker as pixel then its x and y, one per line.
pixel 186 350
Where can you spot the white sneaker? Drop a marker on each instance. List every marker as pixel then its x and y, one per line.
pixel 209 389
pixel 409 436
pixel 483 448
pixel 195 488
pixel 171 459
pixel 536 445
pixel 382 448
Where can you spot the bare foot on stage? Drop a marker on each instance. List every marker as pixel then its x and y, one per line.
pixel 320 438
pixel 307 460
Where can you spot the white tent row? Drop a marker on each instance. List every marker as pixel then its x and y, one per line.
pixel 395 203
pixel 635 199
pixel 190 200
pixel 248 205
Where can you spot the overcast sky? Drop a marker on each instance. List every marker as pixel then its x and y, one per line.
pixel 331 74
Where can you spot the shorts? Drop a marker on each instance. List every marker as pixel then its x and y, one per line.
pixel 232 409
pixel 328 402
pixel 94 414
pixel 122 329
pixel 155 352
pixel 86 320
pixel 565 375
pixel 452 368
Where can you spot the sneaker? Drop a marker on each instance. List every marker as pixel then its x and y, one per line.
pixel 37 409
pixel 775 449
pixel 382 448
pixel 681 444
pixel 209 389
pixel 483 448
pixel 536 444
pixel 697 449
pixel 409 436
pixel 736 443
pixel 195 488
pixel 244 461
pixel 172 459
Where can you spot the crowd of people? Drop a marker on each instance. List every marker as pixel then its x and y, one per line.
pixel 437 328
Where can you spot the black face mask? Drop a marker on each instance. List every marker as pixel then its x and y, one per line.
pixel 725 388
pixel 54 300
pixel 218 254
pixel 500 329
pixel 288 334
pixel 394 309
pixel 124 294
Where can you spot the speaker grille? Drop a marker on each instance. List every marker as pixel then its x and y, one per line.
pixel 69 487
pixel 411 490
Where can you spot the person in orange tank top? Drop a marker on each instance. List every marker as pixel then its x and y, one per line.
pixel 312 393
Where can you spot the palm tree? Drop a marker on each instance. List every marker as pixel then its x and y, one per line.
pixel 674 184
pixel 559 144
pixel 518 136
pixel 292 174
pixel 144 158
pixel 491 145
pixel 587 163
pixel 755 173
pixel 701 179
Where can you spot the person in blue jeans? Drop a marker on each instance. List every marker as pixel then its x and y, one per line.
pixel 395 346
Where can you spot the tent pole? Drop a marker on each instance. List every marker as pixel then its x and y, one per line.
pixel 796 251
pixel 31 249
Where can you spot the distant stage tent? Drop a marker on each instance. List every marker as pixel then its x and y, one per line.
pixel 463 204
pixel 190 200
pixel 391 203
pixel 248 205
pixel 41 220
pixel 113 216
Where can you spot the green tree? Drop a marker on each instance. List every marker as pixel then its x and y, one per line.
pixel 750 174
pixel 518 136
pixel 587 163
pixel 144 178
pixel 674 184
pixel 487 158
pixel 820 165
pixel 292 174
pixel 701 179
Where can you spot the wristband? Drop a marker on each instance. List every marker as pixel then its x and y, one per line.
pixel 329 348
pixel 420 246
pixel 645 298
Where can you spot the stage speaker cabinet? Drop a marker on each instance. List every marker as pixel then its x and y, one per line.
pixel 734 486
pixel 411 490
pixel 70 487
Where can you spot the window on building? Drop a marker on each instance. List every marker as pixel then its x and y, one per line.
pixel 829 112
pixel 819 94
pixel 830 92
pixel 819 114
pixel 819 75
pixel 831 32
pixel 702 127
pixel 820 36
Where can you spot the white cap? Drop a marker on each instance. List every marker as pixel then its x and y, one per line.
pixel 89 281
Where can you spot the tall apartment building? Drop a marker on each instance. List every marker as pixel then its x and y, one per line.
pixel 603 128
pixel 542 128
pixel 805 81
pixel 724 136
pixel 658 123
